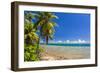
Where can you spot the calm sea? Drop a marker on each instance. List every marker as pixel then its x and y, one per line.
pixel 76 45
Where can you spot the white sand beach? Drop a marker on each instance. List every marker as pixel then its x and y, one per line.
pixel 64 52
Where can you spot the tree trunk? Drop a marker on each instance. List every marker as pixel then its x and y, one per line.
pixel 46 40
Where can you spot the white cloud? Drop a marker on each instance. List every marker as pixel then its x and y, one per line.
pixel 76 41
pixel 81 41
pixel 59 41
pixel 69 41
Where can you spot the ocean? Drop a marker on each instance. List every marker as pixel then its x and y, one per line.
pixel 72 45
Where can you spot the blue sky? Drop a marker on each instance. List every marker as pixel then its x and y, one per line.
pixel 72 26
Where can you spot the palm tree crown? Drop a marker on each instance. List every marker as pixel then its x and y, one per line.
pixel 46 25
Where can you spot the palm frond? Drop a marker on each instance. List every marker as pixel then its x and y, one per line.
pixel 54 16
pixel 29 16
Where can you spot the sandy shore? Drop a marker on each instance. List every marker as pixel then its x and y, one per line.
pixel 61 52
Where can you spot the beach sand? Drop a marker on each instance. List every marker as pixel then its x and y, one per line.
pixel 64 52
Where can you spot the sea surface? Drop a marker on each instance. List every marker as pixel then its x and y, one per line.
pixel 72 45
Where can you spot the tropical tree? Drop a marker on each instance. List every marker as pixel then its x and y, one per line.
pixel 48 31
pixel 31 49
pixel 43 27
pixel 30 33
pixel 46 25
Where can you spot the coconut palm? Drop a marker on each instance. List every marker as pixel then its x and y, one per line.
pixel 46 25
pixel 29 32
pixel 30 39
pixel 48 31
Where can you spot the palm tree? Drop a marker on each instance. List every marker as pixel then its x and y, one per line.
pixel 30 38
pixel 30 33
pixel 46 25
pixel 48 31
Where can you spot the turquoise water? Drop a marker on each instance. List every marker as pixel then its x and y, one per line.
pixel 78 45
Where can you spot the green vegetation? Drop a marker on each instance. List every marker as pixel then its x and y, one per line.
pixel 46 25
pixel 43 27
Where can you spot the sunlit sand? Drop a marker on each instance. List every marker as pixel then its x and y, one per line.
pixel 64 52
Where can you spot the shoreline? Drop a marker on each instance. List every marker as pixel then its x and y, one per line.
pixel 64 52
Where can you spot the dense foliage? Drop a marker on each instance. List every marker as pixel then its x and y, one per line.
pixel 43 27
